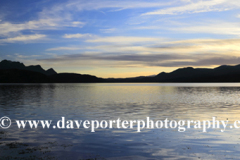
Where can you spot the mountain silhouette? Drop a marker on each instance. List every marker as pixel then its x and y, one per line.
pixel 6 64
pixel 74 78
pixel 222 73
pixel 50 71
pixel 16 72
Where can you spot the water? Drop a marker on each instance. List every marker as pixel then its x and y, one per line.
pixel 125 101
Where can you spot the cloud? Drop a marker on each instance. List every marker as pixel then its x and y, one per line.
pixel 110 30
pixel 20 56
pixel 24 38
pixel 216 27
pixel 110 59
pixel 163 60
pixel 218 42
pixel 215 61
pixel 220 28
pixel 123 39
pixel 171 46
pixel 42 24
pixel 64 48
pixel 192 52
pixel 78 35
pixel 49 18
pixel 118 5
pixel 197 7
pixel 63 14
pixel 77 24
pixel 7 27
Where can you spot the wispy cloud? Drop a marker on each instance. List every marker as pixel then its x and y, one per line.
pixel 118 5
pixel 24 38
pixel 61 14
pixel 194 52
pixel 123 39
pixel 151 60
pixel 197 7
pixel 211 28
pixel 64 48
pixel 49 18
pixel 47 23
pixel 78 35
pixel 20 56
pixel 211 61
pixel 217 27
pixel 109 30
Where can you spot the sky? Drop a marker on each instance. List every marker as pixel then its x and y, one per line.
pixel 120 38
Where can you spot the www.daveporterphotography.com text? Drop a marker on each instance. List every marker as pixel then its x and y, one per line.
pixel 139 125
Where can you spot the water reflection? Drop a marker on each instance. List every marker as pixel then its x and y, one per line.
pixel 125 101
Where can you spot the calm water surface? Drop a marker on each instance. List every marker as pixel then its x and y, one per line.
pixel 125 101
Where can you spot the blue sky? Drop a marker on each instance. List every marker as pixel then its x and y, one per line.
pixel 111 38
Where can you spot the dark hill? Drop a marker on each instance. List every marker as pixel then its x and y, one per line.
pixel 6 64
pixel 16 72
pixel 189 74
pixel 50 72
pixel 74 78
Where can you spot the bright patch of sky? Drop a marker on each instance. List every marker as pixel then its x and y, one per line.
pixel 112 38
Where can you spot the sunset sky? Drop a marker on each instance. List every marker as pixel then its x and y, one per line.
pixel 120 38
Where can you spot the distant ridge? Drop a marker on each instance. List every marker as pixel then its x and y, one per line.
pixel 6 64
pixel 224 73
pixel 16 72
